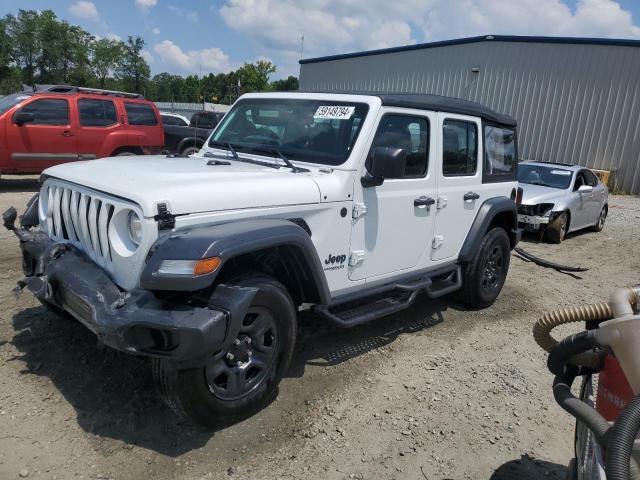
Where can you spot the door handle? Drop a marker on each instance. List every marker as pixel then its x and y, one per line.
pixel 469 196
pixel 423 202
pixel 67 133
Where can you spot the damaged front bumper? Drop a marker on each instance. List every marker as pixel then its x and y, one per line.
pixel 532 222
pixel 136 321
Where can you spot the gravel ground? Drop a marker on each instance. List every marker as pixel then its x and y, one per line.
pixel 436 392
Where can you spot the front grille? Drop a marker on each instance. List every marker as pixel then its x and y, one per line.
pixel 528 209
pixel 81 218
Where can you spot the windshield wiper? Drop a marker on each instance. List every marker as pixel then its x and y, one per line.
pixel 229 146
pixel 237 158
pixel 287 162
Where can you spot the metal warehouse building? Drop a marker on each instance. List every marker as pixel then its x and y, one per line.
pixel 576 99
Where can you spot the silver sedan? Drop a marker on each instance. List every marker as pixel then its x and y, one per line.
pixel 558 199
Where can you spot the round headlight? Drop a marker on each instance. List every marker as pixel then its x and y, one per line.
pixel 135 227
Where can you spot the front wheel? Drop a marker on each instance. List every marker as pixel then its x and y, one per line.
pixel 237 382
pixel 557 229
pixel 601 219
pixel 190 151
pixel 485 275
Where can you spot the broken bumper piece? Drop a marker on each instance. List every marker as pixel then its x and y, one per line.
pixel 135 322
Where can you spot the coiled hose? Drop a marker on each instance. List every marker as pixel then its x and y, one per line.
pixel 620 443
pixel 598 312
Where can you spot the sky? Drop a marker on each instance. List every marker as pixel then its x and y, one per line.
pixel 202 36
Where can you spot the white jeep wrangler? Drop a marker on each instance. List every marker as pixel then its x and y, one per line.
pixel 350 205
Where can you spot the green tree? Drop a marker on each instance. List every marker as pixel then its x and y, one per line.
pixel 285 85
pixel 254 77
pixel 23 30
pixel 133 71
pixel 105 56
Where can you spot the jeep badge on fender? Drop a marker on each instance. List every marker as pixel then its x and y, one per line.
pixel 212 295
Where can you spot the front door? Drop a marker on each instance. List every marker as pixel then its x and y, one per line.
pixel 460 190
pixel 396 231
pixel 48 139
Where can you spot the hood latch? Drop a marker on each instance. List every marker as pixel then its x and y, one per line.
pixel 166 221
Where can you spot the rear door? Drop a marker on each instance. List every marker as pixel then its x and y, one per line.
pixel 47 140
pixel 395 232
pixel 143 126
pixel 460 192
pixel 97 123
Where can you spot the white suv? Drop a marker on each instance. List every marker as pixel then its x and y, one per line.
pixel 350 205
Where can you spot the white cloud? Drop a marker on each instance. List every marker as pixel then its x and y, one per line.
pixel 193 61
pixel 191 16
pixel 145 5
pixel 155 30
pixel 85 10
pixel 146 54
pixel 113 36
pixel 339 26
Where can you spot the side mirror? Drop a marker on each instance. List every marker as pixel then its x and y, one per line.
pixel 20 118
pixel 386 162
pixel 585 189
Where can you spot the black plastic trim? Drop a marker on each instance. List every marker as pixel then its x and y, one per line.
pixel 227 241
pixel 509 177
pixel 486 213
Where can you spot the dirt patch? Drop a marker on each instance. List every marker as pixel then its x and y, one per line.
pixel 435 392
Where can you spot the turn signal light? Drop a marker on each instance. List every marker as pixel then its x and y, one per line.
pixel 206 265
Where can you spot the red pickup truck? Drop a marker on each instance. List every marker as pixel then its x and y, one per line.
pixel 63 124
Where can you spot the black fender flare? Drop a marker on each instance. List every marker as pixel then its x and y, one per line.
pixel 229 240
pixel 487 212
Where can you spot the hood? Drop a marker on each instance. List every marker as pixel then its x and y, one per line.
pixel 535 194
pixel 189 185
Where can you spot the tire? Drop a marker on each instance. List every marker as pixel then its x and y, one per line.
pixel 190 150
pixel 557 229
pixel 572 470
pixel 484 276
pixel 125 154
pixel 206 395
pixel 601 219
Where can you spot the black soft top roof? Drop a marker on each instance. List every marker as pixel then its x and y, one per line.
pixel 440 103
pixel 436 103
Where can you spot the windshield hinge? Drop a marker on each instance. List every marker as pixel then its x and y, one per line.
pixel 356 257
pixel 166 221
pixel 359 209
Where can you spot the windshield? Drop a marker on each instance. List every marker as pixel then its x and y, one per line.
pixel 548 176
pixel 9 101
pixel 315 131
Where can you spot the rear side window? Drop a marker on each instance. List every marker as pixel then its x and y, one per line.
pixel 48 111
pixel 97 113
pixel 140 114
pixel 459 148
pixel 169 120
pixel 500 162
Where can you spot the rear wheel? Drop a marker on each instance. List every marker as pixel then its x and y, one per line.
pixel 125 154
pixel 190 150
pixel 240 380
pixel 557 229
pixel 601 219
pixel 485 275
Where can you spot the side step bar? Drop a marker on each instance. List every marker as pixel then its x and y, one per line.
pixel 396 298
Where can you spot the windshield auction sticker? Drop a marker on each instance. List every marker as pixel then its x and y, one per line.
pixel 334 112
pixel 561 172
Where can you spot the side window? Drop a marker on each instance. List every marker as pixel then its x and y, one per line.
pixel 409 133
pixel 48 111
pixel 501 160
pixel 590 178
pixel 97 113
pixel 459 148
pixel 140 114
pixel 579 180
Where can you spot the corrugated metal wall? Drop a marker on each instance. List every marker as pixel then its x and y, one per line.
pixel 574 103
